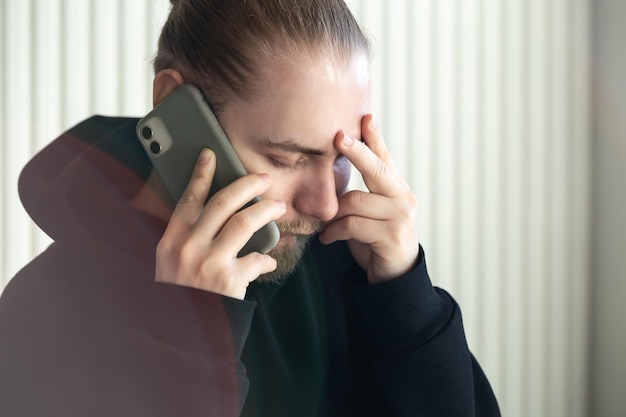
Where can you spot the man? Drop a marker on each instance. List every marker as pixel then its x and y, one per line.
pixel 138 309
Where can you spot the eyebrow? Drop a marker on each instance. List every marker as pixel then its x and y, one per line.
pixel 291 147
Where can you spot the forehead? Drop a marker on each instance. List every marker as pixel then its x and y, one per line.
pixel 305 100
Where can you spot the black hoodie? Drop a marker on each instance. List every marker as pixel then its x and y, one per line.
pixel 85 330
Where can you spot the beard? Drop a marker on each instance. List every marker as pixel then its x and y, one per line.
pixel 289 253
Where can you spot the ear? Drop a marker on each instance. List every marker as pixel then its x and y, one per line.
pixel 165 82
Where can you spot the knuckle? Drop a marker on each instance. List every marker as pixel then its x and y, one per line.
pixel 380 169
pixel 413 206
pixel 165 247
pixel 351 223
pixel 397 231
pixel 409 209
pixel 188 198
pixel 242 220
pixel 354 199
pixel 186 254
pixel 219 201
pixel 407 206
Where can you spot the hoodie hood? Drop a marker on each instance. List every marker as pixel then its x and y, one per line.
pixel 77 189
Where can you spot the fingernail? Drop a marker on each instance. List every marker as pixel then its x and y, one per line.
pixel 282 205
pixel 266 178
pixel 205 156
pixel 347 140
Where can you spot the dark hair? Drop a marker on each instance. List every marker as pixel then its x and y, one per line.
pixel 223 45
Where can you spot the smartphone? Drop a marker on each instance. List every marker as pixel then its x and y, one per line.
pixel 173 135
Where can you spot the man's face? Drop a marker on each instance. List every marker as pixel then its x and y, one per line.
pixel 288 132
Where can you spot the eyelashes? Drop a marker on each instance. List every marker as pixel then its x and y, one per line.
pixel 280 163
pixel 287 165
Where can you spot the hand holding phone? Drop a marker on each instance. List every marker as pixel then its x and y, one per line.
pixel 217 236
pixel 173 135
pixel 199 246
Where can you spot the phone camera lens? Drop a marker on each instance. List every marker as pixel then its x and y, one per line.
pixel 155 147
pixel 146 132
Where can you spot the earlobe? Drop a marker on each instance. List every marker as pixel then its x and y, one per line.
pixel 165 82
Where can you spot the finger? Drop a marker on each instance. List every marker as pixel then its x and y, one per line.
pixel 255 264
pixel 234 280
pixel 362 214
pixel 241 226
pixel 378 176
pixel 361 229
pixel 227 201
pixel 364 204
pixel 373 138
pixel 190 204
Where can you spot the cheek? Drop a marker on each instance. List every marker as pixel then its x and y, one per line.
pixel 342 169
pixel 282 188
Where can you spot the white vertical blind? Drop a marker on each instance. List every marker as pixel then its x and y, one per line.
pixel 62 61
pixel 484 105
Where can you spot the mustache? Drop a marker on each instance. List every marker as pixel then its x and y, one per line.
pixel 300 226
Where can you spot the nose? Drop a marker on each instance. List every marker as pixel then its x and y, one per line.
pixel 317 196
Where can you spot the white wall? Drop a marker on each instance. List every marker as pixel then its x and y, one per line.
pixel 62 61
pixel 608 284
pixel 484 104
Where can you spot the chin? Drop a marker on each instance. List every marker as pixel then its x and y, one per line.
pixel 287 253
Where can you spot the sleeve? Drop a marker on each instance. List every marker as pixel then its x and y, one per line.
pixel 71 347
pixel 410 356
pixel 184 358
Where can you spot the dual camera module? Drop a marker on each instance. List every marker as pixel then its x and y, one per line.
pixel 146 133
pixel 154 136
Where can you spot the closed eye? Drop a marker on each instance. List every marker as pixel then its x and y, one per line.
pixel 281 164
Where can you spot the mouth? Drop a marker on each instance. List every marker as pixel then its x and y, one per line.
pixel 296 231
